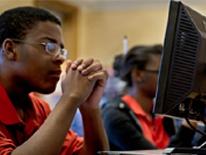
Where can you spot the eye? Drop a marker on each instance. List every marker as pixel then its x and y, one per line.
pixel 64 52
pixel 51 47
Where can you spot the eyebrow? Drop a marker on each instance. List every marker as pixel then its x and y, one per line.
pixel 53 41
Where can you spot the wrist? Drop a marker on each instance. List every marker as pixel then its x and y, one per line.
pixel 71 99
pixel 88 106
pixel 88 110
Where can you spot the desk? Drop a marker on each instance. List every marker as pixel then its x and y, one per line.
pixel 168 151
pixel 142 152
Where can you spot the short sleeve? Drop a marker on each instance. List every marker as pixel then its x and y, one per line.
pixel 6 145
pixel 72 144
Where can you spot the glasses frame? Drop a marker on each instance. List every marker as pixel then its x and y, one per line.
pixel 60 51
pixel 151 71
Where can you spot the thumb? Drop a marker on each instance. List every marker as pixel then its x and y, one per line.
pixel 66 65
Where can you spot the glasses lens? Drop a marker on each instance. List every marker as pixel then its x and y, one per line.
pixel 52 48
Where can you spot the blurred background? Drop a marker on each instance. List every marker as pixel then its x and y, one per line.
pixel 96 28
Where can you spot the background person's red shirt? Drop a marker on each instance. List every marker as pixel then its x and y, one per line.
pixel 152 128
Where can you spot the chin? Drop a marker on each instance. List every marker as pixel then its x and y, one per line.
pixel 47 89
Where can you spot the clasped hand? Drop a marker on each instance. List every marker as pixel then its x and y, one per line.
pixel 84 81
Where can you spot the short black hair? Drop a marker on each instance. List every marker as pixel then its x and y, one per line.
pixel 15 22
pixel 137 57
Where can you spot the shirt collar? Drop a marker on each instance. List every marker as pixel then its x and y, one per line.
pixel 134 105
pixel 8 113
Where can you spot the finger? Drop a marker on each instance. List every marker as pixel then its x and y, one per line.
pixel 101 75
pixel 62 76
pixel 92 69
pixel 66 65
pixel 85 64
pixel 76 63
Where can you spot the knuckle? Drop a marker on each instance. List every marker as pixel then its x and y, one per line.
pixel 88 62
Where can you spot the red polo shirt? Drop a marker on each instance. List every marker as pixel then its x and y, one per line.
pixel 14 131
pixel 152 128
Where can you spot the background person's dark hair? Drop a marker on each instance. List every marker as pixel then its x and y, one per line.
pixel 117 64
pixel 137 57
pixel 14 23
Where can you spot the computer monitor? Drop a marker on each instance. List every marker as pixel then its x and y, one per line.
pixel 181 89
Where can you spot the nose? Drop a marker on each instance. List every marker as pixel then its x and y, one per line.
pixel 59 59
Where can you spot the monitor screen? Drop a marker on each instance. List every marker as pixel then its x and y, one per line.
pixel 181 90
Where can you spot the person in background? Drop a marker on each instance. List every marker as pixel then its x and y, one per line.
pixel 31 52
pixel 129 121
pixel 115 86
pixel 117 66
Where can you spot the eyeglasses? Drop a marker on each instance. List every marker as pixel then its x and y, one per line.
pixel 151 71
pixel 51 48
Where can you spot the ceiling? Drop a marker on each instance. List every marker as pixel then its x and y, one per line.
pixel 125 4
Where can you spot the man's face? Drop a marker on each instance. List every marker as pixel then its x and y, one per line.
pixel 36 69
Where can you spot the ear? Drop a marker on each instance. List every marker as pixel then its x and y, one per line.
pixel 137 75
pixel 8 49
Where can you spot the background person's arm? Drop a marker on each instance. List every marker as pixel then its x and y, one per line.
pixel 184 135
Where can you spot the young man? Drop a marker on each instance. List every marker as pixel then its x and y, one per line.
pixel 32 51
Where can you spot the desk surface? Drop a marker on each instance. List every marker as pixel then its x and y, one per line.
pixel 142 152
pixel 171 151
